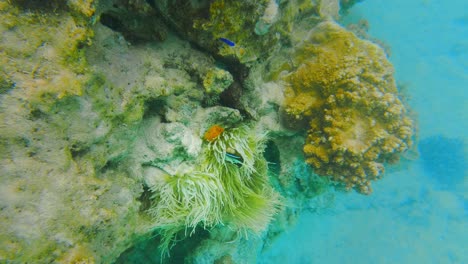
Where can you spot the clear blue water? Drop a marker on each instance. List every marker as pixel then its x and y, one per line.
pixel 419 212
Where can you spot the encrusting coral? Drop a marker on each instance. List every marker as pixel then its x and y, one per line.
pixel 344 88
pixel 216 81
pixel 42 52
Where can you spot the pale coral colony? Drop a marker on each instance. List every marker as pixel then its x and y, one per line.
pixel 179 126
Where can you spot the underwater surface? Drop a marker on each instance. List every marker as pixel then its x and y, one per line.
pixel 418 214
pixel 225 131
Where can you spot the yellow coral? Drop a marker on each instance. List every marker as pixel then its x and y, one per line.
pixel 217 80
pixel 344 88
pixel 77 255
pixel 85 7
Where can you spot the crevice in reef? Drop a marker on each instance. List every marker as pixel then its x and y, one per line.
pixel 112 164
pixel 41 5
pixel 148 251
pixel 78 151
pixel 272 155
pixel 135 27
pixel 156 107
pixel 185 247
pixel 111 21
pixel 231 97
pixel 145 199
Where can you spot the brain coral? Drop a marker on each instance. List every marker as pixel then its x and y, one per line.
pixel 344 88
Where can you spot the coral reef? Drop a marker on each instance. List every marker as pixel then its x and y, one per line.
pixel 235 21
pixel 42 53
pixel 344 88
pixel 256 28
pixel 70 116
pixel 216 81
pixel 269 17
pixel 135 20
pixel 141 123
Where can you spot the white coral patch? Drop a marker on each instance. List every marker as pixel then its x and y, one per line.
pixel 271 12
pixel 192 143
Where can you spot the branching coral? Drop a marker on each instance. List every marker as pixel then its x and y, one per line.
pixel 344 88
pixel 219 191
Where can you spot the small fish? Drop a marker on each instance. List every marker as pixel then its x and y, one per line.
pixel 234 159
pixel 227 41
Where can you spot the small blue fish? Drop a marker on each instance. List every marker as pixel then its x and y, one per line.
pixel 227 41
pixel 234 159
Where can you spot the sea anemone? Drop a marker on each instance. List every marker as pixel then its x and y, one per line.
pixel 229 186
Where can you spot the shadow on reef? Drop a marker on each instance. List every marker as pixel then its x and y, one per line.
pixel 272 155
pixel 137 24
pixel 148 251
pixel 43 5
pixel 444 160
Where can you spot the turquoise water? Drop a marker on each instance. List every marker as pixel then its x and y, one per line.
pixel 419 212
pixel 129 138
